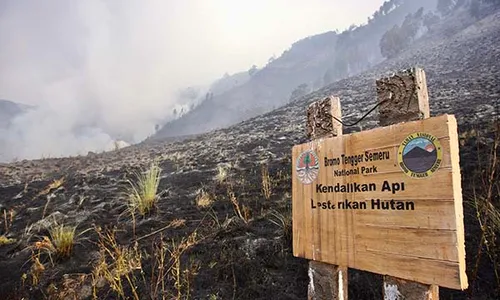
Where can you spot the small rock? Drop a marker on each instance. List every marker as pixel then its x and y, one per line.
pixel 101 282
pixel 85 292
pixel 31 210
pixel 254 246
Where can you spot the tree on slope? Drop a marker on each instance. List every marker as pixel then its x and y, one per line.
pixel 392 42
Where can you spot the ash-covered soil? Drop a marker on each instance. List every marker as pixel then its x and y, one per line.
pixel 243 254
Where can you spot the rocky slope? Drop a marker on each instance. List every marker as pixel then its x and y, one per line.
pixel 233 256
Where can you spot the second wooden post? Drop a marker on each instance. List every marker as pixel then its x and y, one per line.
pixel 325 281
pixel 405 99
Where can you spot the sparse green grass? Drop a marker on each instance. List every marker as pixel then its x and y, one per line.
pixel 143 193
pixel 282 220
pixel 63 239
pixel 60 241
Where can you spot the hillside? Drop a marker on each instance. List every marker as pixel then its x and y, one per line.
pixel 314 62
pixel 189 98
pixel 242 245
pixel 8 110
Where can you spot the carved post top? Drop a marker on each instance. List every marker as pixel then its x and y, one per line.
pixel 406 96
pixel 320 118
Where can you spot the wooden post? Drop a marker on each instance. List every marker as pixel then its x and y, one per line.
pixel 320 118
pixel 325 281
pixel 407 100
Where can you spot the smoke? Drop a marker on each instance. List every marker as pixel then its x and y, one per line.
pixel 98 71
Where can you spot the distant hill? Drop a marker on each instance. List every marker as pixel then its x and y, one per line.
pixel 229 82
pixel 8 110
pixel 308 65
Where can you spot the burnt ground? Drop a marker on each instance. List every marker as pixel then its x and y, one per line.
pixel 232 256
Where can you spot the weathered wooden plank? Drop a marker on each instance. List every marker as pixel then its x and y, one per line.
pixel 417 242
pixel 436 215
pixel 351 229
pixel 457 191
pixel 410 268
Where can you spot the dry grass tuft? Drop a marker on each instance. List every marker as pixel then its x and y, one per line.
pixel 222 174
pixel 8 218
pixel 242 211
pixel 182 277
pixel 167 268
pixel 486 201
pixel 116 263
pixel 176 223
pixel 46 245
pixel 70 287
pixel 52 186
pixel 158 270
pixel 142 195
pixel 283 175
pixel 37 269
pixel 204 199
pixel 266 182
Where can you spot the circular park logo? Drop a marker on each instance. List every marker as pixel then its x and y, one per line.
pixel 420 155
pixel 307 166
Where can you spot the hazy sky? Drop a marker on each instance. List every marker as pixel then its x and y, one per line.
pixel 116 64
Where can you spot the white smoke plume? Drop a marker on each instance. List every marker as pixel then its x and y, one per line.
pixel 97 71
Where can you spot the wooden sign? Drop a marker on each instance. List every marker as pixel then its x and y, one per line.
pixel 387 200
